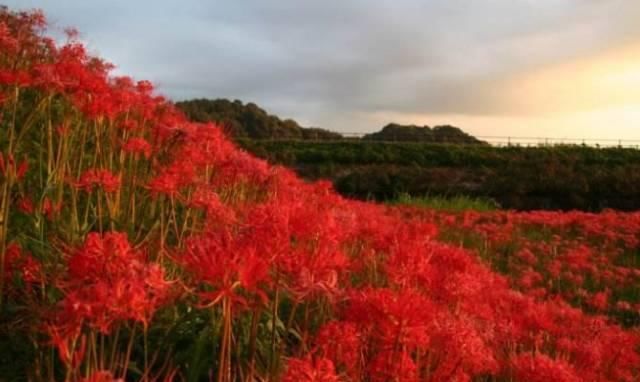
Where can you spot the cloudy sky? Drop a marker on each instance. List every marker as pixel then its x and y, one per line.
pixel 557 68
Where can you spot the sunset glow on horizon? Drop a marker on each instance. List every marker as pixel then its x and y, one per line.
pixel 594 98
pixel 565 68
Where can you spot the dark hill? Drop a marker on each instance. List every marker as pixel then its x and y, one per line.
pixel 249 120
pixel 413 133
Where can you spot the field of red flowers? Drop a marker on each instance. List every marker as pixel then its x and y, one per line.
pixel 135 245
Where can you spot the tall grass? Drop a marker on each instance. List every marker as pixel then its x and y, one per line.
pixel 452 204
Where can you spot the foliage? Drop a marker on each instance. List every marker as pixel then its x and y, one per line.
pixel 394 132
pixel 456 203
pixel 525 178
pixel 240 120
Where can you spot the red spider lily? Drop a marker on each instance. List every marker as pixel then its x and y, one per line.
pixel 9 167
pixel 19 78
pixel 341 342
pixel 173 178
pixel 137 146
pixel 25 205
pixel 530 278
pixel 462 348
pixel 108 281
pixel 22 170
pixel 8 43
pixel 101 376
pixel 539 368
pixel 225 267
pixel 17 263
pixel 289 233
pixel 71 347
pixel 393 318
pixel 411 254
pixel 49 209
pixel 313 272
pixel 388 366
pixel 310 370
pixel 600 300
pixel 218 214
pixel 104 179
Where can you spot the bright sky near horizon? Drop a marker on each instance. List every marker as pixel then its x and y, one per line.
pixel 556 68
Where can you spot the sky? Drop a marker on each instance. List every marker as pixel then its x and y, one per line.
pixel 521 68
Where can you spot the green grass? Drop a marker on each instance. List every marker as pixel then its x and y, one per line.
pixel 452 204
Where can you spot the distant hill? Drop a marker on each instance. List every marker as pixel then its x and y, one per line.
pixel 249 120
pixel 413 133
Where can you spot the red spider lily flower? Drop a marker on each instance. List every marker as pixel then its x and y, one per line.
pixel 527 257
pixel 20 264
pixel 72 359
pixel 393 318
pixel 22 169
pixel 341 342
pixel 541 368
pixel 25 205
pixel 218 214
pixel 173 178
pixel 105 179
pixel 555 268
pixel 144 87
pixel 19 78
pixel 8 43
pixel 11 258
pixel 226 266
pixel 137 146
pixel 530 278
pixel 624 305
pixel 313 272
pixel 70 344
pixel 101 376
pixel 50 209
pixel 464 349
pixel 600 300
pixel 108 281
pixel 130 124
pixel 9 166
pixel 166 183
pixel 393 366
pixel 310 370
pixel 31 270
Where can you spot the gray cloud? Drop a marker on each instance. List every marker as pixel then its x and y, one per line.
pixel 333 62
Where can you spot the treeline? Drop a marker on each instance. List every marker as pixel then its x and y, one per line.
pixel 411 133
pixel 241 120
pixel 523 178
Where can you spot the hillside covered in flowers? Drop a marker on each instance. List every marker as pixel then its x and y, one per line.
pixel 136 245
